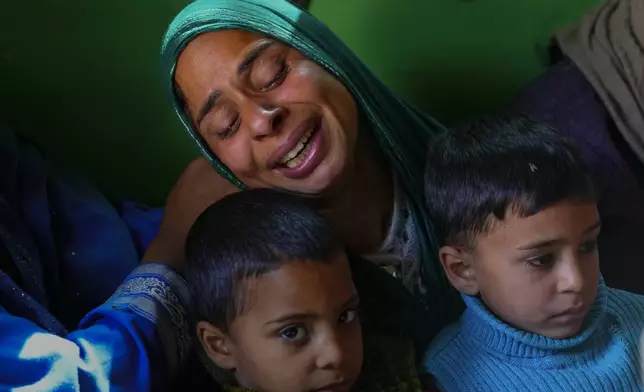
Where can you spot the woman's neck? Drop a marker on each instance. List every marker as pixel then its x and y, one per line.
pixel 360 210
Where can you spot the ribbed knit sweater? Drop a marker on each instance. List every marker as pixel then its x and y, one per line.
pixel 482 353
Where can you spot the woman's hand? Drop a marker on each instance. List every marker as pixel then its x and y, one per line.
pixel 197 188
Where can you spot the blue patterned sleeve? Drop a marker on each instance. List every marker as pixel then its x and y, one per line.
pixel 133 342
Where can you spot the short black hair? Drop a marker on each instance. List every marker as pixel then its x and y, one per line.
pixel 481 170
pixel 248 234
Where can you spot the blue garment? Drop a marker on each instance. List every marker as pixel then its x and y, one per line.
pixel 64 251
pixel 143 222
pixel 84 249
pixel 481 353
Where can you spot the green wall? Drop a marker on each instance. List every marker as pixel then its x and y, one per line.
pixel 81 77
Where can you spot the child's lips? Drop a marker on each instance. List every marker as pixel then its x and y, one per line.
pixel 337 387
pixel 573 313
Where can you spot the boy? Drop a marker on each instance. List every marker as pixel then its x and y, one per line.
pixel 276 306
pixel 516 213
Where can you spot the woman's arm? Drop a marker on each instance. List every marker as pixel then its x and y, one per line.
pixel 115 348
pixel 196 189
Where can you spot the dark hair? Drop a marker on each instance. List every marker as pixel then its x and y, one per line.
pixel 248 234
pixel 482 170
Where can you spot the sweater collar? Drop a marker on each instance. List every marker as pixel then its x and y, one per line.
pixel 486 329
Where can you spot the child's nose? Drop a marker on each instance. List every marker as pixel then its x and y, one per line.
pixel 571 277
pixel 330 354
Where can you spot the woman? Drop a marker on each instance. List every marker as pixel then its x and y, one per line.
pixel 266 115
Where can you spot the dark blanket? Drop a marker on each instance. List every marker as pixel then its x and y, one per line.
pixel 63 247
pixel 564 98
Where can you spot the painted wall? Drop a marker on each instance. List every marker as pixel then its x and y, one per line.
pixel 81 77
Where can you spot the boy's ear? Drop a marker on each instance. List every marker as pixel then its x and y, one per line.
pixel 457 264
pixel 217 345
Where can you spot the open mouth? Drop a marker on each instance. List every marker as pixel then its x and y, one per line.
pixel 303 151
pixel 298 154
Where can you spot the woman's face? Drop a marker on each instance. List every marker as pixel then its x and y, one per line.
pixel 273 117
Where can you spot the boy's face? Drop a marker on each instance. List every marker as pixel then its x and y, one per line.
pixel 541 273
pixel 299 331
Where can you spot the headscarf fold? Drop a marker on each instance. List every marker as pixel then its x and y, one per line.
pixel 402 132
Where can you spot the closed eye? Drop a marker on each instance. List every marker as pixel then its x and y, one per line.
pixel 278 79
pixel 230 129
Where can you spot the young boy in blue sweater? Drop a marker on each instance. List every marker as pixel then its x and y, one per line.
pixel 516 214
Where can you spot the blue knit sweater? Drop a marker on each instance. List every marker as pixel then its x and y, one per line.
pixel 481 353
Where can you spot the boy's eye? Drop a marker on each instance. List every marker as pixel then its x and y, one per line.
pixel 589 247
pixel 294 333
pixel 543 261
pixel 348 316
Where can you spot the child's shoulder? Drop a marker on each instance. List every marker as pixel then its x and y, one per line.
pixel 625 305
pixel 442 342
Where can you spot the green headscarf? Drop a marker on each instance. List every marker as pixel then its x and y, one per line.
pixel 401 131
